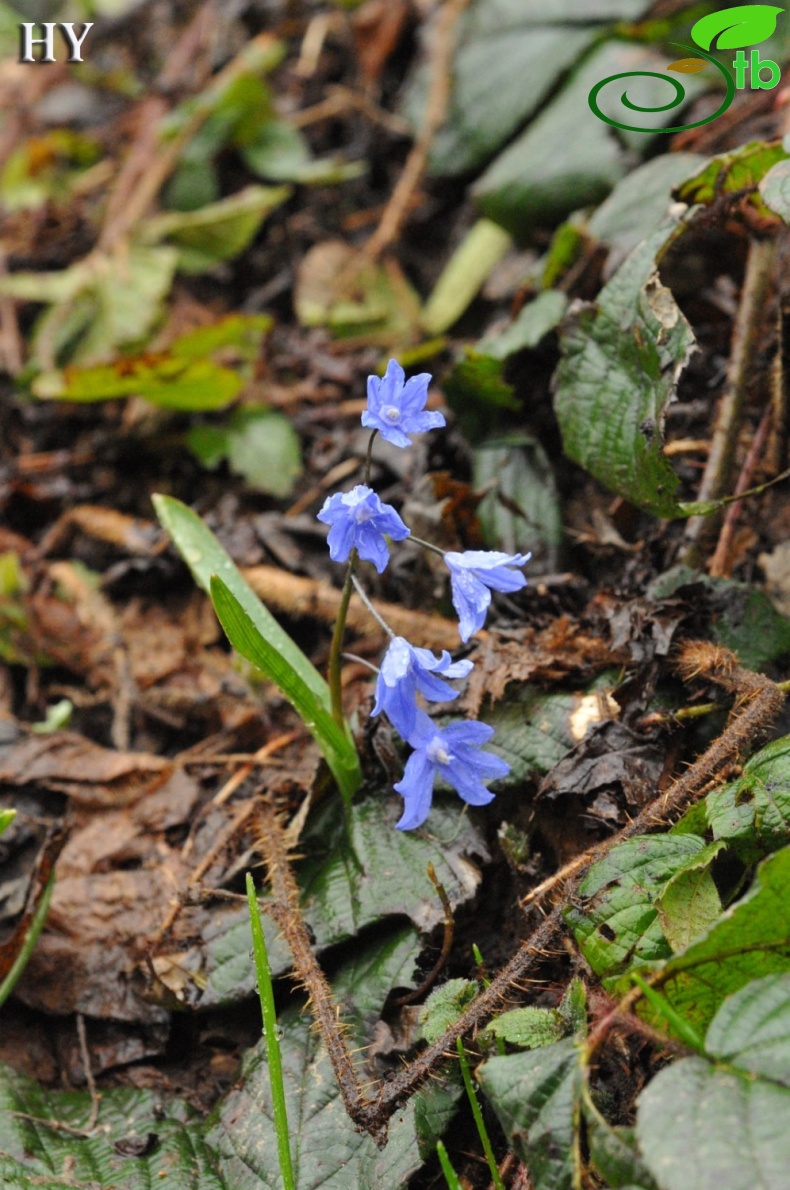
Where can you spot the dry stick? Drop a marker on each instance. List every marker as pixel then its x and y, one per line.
pixel 435 111
pixel 759 268
pixel 88 1072
pixel 719 565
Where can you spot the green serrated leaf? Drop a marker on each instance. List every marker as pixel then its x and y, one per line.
pixel 701 1128
pixel 749 941
pixel 738 171
pixel 751 1030
pixel 620 365
pixel 617 925
pixel 444 1006
pixel 690 901
pixel 248 639
pixel 529 1027
pixel 752 814
pixel 535 730
pixel 328 1151
pixel 746 24
pixel 31 1154
pixel 536 1096
pixel 614 1152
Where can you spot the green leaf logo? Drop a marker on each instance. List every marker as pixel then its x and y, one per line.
pixel 748 24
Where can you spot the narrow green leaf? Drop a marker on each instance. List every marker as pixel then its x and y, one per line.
pixel 269 1015
pixel 31 937
pixel 328 1151
pixel 204 556
pixel 664 1009
pixel 246 637
pixel 450 1176
pixel 6 818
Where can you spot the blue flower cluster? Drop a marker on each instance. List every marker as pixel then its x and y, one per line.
pixel 359 521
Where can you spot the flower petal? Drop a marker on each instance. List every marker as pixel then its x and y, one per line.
pixel 417 791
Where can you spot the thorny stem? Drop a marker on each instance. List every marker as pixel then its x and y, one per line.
pixel 758 703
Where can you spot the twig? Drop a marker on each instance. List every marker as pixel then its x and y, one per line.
pixel 87 1070
pixel 748 323
pixel 720 564
pixel 435 111
pixel 447 944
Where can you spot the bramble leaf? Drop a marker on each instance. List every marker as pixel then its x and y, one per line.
pixel 536 1098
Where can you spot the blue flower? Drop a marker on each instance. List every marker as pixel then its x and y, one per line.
pixel 396 409
pixel 359 521
pixel 471 575
pixel 405 670
pixel 454 753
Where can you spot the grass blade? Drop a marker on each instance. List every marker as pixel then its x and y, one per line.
pixel 269 1014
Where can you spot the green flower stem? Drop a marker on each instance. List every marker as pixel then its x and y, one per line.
pixel 426 545
pixel 478 1115
pixel 360 590
pixel 336 649
pixel 269 1014
pixel 450 1176
pixel 35 928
